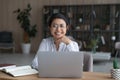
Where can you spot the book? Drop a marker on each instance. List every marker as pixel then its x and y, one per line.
pixel 103 40
pixel 20 71
pixel 5 66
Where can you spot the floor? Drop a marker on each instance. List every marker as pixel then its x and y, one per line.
pixel 18 59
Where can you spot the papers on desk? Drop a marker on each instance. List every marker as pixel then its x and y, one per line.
pixel 5 66
pixel 20 71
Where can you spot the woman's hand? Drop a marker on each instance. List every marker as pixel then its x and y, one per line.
pixel 64 39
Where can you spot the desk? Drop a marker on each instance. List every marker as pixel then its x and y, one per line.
pixel 86 76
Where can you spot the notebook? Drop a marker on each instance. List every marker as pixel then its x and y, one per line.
pixel 60 64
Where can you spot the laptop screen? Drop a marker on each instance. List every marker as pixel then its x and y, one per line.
pixel 60 64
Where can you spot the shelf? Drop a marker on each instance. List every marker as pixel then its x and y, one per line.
pixel 89 21
pixel 96 31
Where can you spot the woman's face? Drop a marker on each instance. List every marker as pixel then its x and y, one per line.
pixel 58 28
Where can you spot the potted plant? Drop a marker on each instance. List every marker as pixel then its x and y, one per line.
pixel 93 44
pixel 115 72
pixel 23 17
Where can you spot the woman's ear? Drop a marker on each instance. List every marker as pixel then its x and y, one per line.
pixel 67 27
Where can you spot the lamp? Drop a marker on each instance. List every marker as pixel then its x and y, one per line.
pixel 113 38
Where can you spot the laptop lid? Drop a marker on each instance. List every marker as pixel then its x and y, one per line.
pixel 60 64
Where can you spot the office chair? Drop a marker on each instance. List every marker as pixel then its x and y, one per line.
pixel 6 41
pixel 117 47
pixel 88 62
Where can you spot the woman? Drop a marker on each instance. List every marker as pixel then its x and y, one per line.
pixel 58 26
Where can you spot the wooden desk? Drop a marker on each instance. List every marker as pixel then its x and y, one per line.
pixel 86 76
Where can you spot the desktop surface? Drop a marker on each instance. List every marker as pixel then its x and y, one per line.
pixel 86 76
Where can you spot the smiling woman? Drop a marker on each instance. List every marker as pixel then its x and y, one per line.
pixel 58 26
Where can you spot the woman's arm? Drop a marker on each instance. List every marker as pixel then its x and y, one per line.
pixel 42 47
pixel 72 46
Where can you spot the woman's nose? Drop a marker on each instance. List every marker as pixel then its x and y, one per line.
pixel 58 28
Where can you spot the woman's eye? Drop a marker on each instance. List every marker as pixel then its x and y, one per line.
pixel 55 26
pixel 62 26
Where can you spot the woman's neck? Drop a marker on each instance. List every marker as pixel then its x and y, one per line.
pixel 57 45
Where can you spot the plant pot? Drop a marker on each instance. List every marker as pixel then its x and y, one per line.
pixel 115 74
pixel 26 48
pixel 94 50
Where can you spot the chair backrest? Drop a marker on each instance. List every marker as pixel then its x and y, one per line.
pixel 117 45
pixel 88 62
pixel 6 37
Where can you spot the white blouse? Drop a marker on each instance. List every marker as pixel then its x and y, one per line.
pixel 48 45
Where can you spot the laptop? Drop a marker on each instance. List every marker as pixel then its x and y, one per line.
pixel 60 64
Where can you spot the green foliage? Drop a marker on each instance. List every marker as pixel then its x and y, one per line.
pixel 93 42
pixel 23 16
